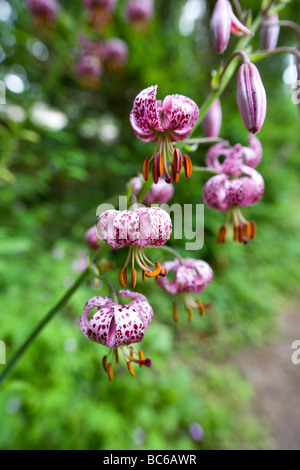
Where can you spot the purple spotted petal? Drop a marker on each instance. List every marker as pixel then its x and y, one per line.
pixel 179 116
pixel 116 325
pixel 144 117
pixel 146 226
pixel 99 302
pixel 255 187
pixel 233 163
pixel 141 304
pixel 190 275
pixel 214 193
pixel 253 154
pixel 176 115
pixel 214 153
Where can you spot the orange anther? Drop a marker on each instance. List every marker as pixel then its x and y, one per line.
pixel 253 229
pixel 130 368
pixel 121 279
pixel 104 363
pixel 222 234
pixel 175 312
pixel 133 278
pixel 110 371
pixel 146 169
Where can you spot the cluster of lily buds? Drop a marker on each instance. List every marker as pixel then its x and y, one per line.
pixel 118 326
pixel 146 226
pixel 159 193
pixel 212 121
pixel 269 32
pixel 139 12
pixel 251 97
pixel 236 184
pixel 224 22
pixel 191 277
pixel 44 11
pixel 164 122
pixel 100 11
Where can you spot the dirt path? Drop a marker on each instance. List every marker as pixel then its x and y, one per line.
pixel 276 381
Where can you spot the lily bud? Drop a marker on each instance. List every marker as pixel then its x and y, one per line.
pixel 251 97
pixel 223 22
pixel 213 120
pixel 269 32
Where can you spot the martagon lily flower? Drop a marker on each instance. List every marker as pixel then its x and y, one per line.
pixel 118 326
pixel 229 189
pixel 191 277
pixel 146 226
pixel 164 122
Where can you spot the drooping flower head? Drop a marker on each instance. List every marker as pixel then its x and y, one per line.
pixel 100 11
pixel 44 11
pixel 89 67
pixel 164 122
pixel 159 193
pixel 138 12
pixel 212 121
pixel 146 226
pixel 191 276
pixel 223 22
pixel 118 326
pixel 115 54
pixel 236 184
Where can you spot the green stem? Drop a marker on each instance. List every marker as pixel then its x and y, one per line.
pixel 258 55
pixel 51 313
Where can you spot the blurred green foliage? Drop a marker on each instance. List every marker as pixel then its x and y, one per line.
pixel 52 181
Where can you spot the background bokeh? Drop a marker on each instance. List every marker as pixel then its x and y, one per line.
pixel 65 149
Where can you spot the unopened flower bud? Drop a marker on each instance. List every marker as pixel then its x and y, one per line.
pixel 223 22
pixel 269 32
pixel 213 120
pixel 251 97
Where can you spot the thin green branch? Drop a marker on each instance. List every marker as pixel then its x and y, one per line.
pixel 51 313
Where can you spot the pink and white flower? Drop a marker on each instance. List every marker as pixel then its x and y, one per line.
pixel 117 326
pixel 236 184
pixel 147 226
pixel 191 276
pixel 164 122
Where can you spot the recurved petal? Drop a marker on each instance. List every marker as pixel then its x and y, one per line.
pixel 214 193
pixel 253 154
pixel 129 325
pixel 105 228
pixel 181 117
pixel 144 116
